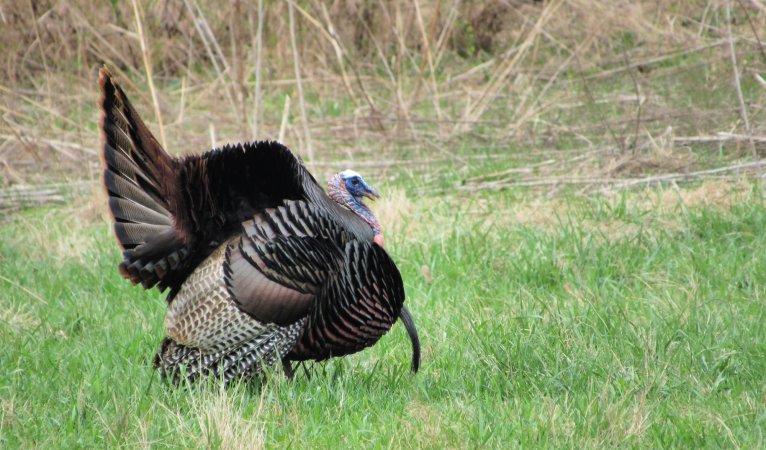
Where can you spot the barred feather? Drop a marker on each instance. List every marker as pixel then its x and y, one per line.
pixel 261 264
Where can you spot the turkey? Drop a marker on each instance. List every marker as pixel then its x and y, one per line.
pixel 260 264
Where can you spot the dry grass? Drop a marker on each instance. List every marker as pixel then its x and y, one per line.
pixel 381 80
pixel 7 413
pixel 650 207
pixel 409 222
pixel 480 95
pixel 425 421
pixel 394 211
pixel 67 233
pixel 218 421
pixel 18 319
pixel 719 194
pixel 222 424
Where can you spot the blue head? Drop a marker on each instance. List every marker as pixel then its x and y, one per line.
pixel 356 186
pixel 349 188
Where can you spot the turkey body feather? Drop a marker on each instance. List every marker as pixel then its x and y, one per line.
pixel 261 265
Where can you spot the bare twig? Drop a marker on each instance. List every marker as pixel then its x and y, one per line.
pixel 182 106
pixel 537 182
pixel 21 139
pixel 499 77
pixel 148 69
pixel 632 146
pixel 613 183
pixel 42 50
pixel 429 57
pixel 721 137
pixel 301 99
pixel 31 195
pixel 54 143
pixel 339 52
pixel 25 290
pixel 675 177
pixel 285 118
pixel 655 60
pixel 514 170
pixel 42 107
pixel 586 89
pixel 531 111
pixel 752 28
pixel 213 138
pixel 211 47
pixel 258 57
pixel 446 32
pixel 394 80
pixel 759 4
pixel 737 85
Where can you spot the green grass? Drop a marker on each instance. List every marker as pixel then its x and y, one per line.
pixel 567 323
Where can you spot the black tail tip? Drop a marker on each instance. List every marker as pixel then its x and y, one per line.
pixel 409 324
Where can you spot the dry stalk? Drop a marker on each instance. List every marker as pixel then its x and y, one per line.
pixel 237 73
pixel 148 69
pixel 499 77
pixel 675 177
pixel 586 89
pixel 182 103
pixel 759 4
pixel 479 68
pixel 339 52
pixel 24 289
pixel 210 43
pixel 285 118
pixel 531 112
pixel 722 137
pixel 124 62
pixel 752 28
pixel 429 58
pixel 258 58
pixel 301 99
pixel 21 139
pixel 655 60
pixel 42 50
pixel 53 143
pixel 737 85
pixel 213 138
pixel 613 184
pixel 512 171
pixel 446 32
pixel 639 101
pixel 384 61
pixel 42 107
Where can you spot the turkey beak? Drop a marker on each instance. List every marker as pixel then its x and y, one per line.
pixel 371 193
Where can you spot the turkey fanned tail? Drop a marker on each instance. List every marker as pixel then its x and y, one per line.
pixel 138 176
pixel 262 265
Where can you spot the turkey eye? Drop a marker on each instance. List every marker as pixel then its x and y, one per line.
pixel 355 181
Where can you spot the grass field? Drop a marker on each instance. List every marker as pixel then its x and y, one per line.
pixel 578 323
pixel 572 191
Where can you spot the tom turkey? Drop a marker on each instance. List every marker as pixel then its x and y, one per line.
pixel 261 264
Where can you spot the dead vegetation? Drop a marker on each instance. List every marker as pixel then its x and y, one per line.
pixel 596 95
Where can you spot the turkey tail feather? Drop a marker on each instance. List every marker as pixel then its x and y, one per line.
pixel 140 178
pixel 248 358
pixel 409 324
